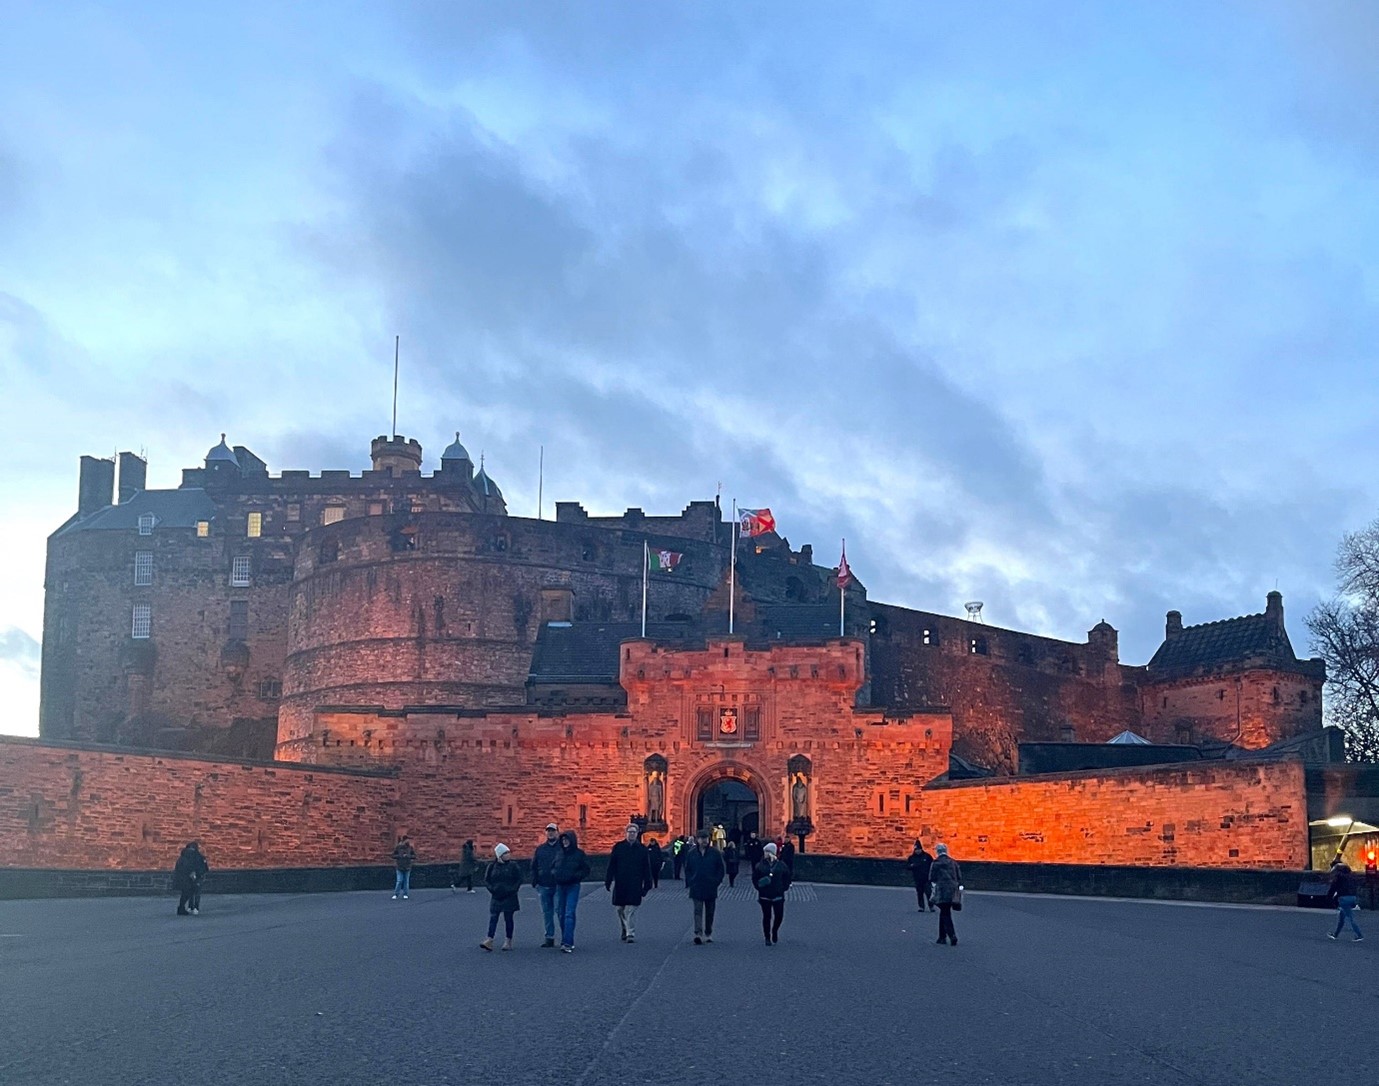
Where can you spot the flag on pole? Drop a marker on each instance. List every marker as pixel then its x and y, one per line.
pixel 844 573
pixel 663 561
pixel 755 522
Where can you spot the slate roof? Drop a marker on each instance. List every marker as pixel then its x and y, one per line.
pixel 1257 640
pixel 180 508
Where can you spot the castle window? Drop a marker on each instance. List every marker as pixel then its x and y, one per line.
pixel 1277 700
pixel 294 511
pixel 879 627
pixel 270 690
pixel 146 522
pixel 977 646
pixel 1183 733
pixel 142 623
pixel 703 723
pixel 239 620
pixel 239 571
pixel 254 527
pixel 332 514
pixel 1165 705
pixel 375 509
pixel 203 529
pixel 926 637
pixel 751 722
pixel 143 567
pixel 583 815
pixel 417 506
pixel 1302 697
pixel 329 552
pixel 589 553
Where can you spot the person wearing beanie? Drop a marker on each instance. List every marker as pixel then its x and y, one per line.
pixel 704 872
pixel 629 879
pixel 771 878
pixel 920 863
pixel 946 879
pixel 503 877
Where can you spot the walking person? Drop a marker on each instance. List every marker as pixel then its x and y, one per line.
pixel 946 879
pixel 657 859
pixel 677 856
pixel 719 837
pixel 629 879
pixel 187 873
pixel 571 869
pixel 1343 886
pixel 704 873
pixel 503 877
pixel 468 865
pixel 543 879
pixel 731 861
pixel 919 865
pixel 787 855
pixel 403 857
pixel 752 851
pixel 772 878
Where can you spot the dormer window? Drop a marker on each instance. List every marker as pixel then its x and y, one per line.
pixel 146 523
pixel 254 527
pixel 332 514
pixel 203 529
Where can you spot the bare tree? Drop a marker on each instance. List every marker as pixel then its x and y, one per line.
pixel 1345 633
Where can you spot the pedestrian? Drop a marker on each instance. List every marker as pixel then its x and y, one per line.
pixel 187 873
pixel 771 878
pixel 677 856
pixel 657 859
pixel 403 856
pixel 787 856
pixel 571 869
pixel 629 879
pixel 543 879
pixel 731 861
pixel 946 880
pixel 752 851
pixel 503 877
pixel 719 837
pixel 704 873
pixel 919 864
pixel 1343 886
pixel 468 865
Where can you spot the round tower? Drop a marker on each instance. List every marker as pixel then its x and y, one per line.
pixel 397 454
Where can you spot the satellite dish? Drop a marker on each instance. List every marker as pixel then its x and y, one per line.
pixel 974 610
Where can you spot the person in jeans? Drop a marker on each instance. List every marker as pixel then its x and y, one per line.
pixel 1343 886
pixel 772 878
pixel 629 879
pixel 503 878
pixel 704 872
pixel 543 878
pixel 571 869
pixel 946 879
pixel 403 856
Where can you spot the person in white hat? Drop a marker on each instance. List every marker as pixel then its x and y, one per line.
pixel 771 878
pixel 503 879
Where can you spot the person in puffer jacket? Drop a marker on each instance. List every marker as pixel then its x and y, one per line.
pixel 771 878
pixel 503 877
pixel 571 868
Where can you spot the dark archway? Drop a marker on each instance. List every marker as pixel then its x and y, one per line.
pixel 730 802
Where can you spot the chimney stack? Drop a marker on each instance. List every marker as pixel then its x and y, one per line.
pixel 96 485
pixel 133 475
pixel 1273 608
pixel 1173 625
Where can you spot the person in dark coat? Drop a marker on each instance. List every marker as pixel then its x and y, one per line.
pixel 571 869
pixel 1343 887
pixel 787 856
pixel 404 856
pixel 704 873
pixel 543 878
pixel 731 861
pixel 677 856
pixel 946 879
pixel 464 876
pixel 657 858
pixel 190 869
pixel 752 851
pixel 771 878
pixel 503 877
pixel 629 879
pixel 919 864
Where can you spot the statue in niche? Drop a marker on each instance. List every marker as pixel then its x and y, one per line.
pixel 655 768
pixel 799 797
pixel 800 770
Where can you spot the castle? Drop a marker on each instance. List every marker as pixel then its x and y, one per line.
pixel 492 669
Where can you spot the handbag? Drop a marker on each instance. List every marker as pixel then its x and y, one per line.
pixel 957 900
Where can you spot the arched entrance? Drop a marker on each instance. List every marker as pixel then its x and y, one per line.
pixel 730 794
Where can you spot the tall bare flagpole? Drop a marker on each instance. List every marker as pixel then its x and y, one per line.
pixel 842 591
pixel 397 348
pixel 732 570
pixel 646 561
pixel 540 481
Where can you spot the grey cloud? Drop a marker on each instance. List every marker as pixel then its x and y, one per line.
pixel 19 648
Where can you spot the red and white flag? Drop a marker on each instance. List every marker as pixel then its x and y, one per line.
pixel 755 522
pixel 844 573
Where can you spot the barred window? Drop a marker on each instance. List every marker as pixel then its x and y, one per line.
pixel 294 511
pixel 270 690
pixel 142 623
pixel 239 571
pixel 703 723
pixel 332 514
pixel 239 620
pixel 146 522
pixel 254 528
pixel 143 567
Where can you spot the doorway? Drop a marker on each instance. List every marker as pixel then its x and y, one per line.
pixel 732 804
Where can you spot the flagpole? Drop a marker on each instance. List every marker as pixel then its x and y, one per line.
pixel 842 593
pixel 646 561
pixel 732 570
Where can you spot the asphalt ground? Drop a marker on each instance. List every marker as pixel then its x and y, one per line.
pixel 357 988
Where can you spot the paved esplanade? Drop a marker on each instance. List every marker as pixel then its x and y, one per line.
pixel 356 988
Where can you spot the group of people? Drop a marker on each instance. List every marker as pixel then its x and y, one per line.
pixel 559 866
pixel 938 885
pixel 734 849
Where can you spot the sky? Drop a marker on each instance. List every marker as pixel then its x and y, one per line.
pixel 1068 307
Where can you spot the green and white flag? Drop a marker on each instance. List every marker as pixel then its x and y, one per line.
pixel 663 561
